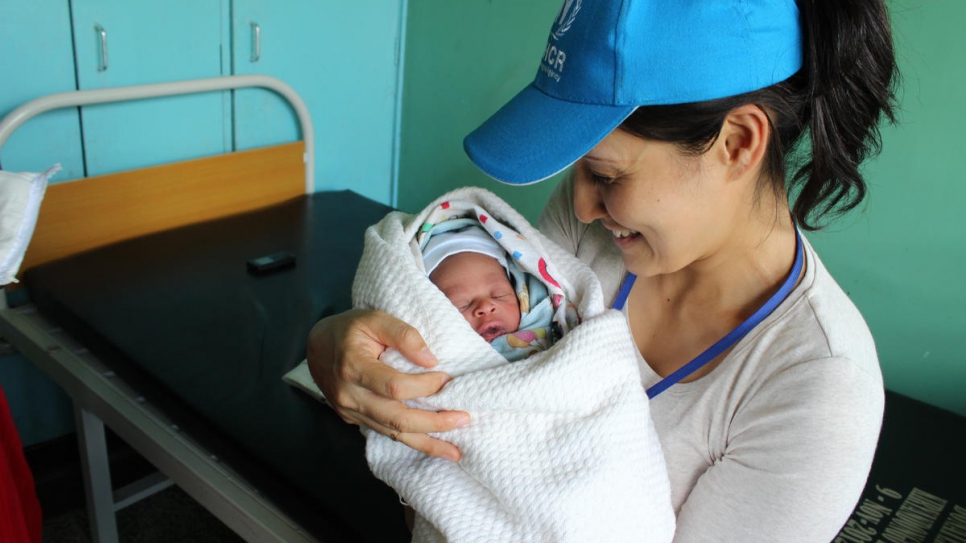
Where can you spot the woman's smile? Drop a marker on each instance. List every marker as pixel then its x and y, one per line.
pixel 624 238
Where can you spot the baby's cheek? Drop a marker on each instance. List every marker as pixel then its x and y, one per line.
pixel 514 310
pixel 468 315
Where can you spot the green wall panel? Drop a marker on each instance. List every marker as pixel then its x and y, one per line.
pixel 463 61
pixel 901 258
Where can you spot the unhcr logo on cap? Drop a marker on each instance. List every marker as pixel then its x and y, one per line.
pixel 568 13
pixel 553 57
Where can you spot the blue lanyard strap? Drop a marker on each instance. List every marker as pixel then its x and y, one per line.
pixel 624 291
pixel 735 335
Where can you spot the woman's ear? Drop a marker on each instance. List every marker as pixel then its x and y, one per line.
pixel 744 137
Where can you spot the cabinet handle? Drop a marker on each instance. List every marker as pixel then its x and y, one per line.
pixel 102 39
pixel 256 42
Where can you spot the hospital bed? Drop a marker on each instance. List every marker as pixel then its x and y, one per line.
pixel 143 309
pixel 916 491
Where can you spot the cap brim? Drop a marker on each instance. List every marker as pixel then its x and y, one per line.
pixel 535 136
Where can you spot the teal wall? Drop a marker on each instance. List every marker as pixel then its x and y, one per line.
pixel 41 410
pixel 900 257
pixel 463 61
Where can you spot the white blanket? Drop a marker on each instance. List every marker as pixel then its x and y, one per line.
pixel 561 446
pixel 20 197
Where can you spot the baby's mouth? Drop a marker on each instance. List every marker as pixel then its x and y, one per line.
pixel 491 331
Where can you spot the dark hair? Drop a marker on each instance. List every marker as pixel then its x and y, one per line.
pixel 846 84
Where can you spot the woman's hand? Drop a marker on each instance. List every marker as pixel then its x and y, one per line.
pixel 343 356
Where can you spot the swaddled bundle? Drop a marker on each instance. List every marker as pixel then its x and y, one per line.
pixel 560 446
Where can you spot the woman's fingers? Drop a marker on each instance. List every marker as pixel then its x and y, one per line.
pixel 408 425
pixel 388 331
pixel 387 382
pixel 394 416
pixel 343 354
pixel 432 446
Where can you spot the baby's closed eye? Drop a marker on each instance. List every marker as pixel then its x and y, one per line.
pixel 462 305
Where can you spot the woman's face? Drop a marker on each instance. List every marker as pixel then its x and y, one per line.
pixel 666 210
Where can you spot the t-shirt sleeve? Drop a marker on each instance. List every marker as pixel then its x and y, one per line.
pixel 796 461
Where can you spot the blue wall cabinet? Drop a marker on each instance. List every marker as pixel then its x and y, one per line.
pixel 36 58
pixel 119 43
pixel 343 60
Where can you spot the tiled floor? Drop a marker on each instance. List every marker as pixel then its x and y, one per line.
pixel 169 516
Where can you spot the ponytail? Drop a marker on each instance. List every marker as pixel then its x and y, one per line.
pixel 851 76
pixel 846 84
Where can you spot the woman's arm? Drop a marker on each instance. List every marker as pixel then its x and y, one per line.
pixel 795 461
pixel 343 356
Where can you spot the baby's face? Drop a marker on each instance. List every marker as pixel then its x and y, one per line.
pixel 479 287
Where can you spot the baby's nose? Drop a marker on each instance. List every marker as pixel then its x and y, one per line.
pixel 484 307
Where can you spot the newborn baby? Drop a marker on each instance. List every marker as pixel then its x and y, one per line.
pixel 508 307
pixel 470 268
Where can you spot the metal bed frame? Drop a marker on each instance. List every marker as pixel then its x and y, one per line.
pixel 101 398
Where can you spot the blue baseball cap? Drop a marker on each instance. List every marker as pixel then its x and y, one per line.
pixel 604 58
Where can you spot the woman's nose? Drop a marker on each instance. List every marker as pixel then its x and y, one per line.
pixel 588 205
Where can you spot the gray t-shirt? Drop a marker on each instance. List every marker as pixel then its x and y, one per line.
pixel 774 444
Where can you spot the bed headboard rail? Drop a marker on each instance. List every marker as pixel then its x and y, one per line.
pixel 79 215
pixel 50 102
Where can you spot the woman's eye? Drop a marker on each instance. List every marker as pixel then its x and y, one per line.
pixel 601 179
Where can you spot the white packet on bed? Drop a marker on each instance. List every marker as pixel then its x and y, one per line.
pixel 300 378
pixel 20 197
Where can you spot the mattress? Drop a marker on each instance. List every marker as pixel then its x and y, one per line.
pixel 180 316
pixel 916 489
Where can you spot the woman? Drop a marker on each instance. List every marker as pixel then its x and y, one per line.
pixel 690 124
